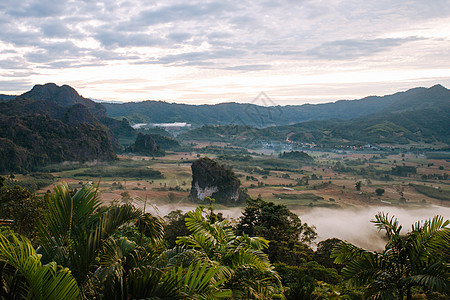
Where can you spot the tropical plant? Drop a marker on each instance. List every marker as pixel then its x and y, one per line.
pixel 76 228
pixel 289 238
pixel 22 275
pixel 113 261
pixel 22 207
pixel 240 259
pixel 414 260
pixel 140 268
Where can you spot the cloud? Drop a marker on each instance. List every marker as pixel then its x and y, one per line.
pixel 55 29
pixel 36 8
pixel 291 37
pixel 199 56
pixel 110 38
pixel 250 67
pixel 15 85
pixel 351 49
pixel 182 12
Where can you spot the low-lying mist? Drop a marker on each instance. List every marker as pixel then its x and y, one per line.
pixel 352 224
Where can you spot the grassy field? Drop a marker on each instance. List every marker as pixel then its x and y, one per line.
pixel 329 181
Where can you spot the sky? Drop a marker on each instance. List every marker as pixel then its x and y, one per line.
pixel 296 51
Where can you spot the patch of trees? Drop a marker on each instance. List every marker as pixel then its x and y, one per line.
pixel 297 155
pixel 411 262
pixel 435 176
pixel 121 252
pixel 403 170
pixel 432 192
pixel 145 144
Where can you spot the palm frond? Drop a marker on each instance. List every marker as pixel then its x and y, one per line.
pixel 44 281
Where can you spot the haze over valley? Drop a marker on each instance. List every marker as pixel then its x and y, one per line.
pixel 236 150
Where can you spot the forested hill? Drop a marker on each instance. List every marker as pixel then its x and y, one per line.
pixel 66 96
pixel 422 117
pixel 248 114
pixel 35 129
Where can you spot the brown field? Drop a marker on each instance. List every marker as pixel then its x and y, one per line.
pixel 331 189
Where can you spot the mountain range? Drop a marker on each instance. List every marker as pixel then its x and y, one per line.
pixel 261 116
pixel 420 115
pixel 53 123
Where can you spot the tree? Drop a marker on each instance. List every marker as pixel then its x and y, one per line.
pixel 22 207
pixel 416 259
pixel 289 237
pixel 324 251
pixel 175 227
pixel 113 261
pixel 379 191
pixel 76 228
pixel 246 267
pixel 23 276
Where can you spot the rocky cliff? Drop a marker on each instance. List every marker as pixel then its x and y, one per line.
pixel 35 130
pixel 211 179
pixel 145 145
pixel 66 96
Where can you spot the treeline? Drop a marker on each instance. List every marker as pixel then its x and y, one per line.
pixel 121 252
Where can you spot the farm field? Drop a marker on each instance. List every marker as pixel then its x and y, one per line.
pixel 329 181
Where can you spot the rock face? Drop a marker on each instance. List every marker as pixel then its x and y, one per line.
pixel 66 96
pixel 51 124
pixel 145 145
pixel 211 179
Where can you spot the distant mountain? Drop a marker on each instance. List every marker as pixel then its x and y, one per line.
pixel 259 116
pixel 31 140
pixel 52 124
pixel 6 97
pixel 66 96
pixel 416 116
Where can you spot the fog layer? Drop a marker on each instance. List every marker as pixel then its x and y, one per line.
pixel 352 224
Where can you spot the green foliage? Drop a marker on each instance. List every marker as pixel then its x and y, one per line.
pixel 403 170
pixel 32 183
pixel 310 281
pixel 24 277
pixel 22 207
pixel 165 143
pixel 297 155
pixel 113 171
pixel 241 259
pixel 233 151
pixel 35 140
pixel 289 237
pixel 379 191
pixel 416 259
pixel 175 227
pixel 431 192
pixel 322 255
pixel 76 228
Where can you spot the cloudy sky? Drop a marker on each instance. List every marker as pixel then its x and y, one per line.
pixel 296 51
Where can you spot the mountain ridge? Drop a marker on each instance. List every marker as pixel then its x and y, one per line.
pixel 250 114
pixel 35 129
